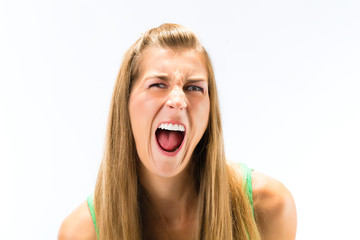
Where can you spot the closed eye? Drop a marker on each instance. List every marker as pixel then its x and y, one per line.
pixel 193 88
pixel 158 85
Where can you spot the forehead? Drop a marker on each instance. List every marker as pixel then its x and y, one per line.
pixel 172 61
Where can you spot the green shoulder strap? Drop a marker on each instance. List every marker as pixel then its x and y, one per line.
pixel 248 183
pixel 90 201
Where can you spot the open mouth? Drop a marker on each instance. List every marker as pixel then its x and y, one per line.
pixel 170 136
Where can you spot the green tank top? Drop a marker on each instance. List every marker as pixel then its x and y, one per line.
pixel 90 202
pixel 246 178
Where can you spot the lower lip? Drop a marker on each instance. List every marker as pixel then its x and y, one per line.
pixel 170 154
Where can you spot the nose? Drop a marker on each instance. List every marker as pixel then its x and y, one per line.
pixel 176 99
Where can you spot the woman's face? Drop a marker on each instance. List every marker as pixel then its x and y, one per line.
pixel 169 108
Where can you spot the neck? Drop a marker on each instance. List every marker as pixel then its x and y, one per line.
pixel 173 199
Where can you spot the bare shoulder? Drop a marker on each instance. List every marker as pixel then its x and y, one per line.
pixel 275 209
pixel 78 225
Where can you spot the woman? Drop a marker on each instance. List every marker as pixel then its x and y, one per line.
pixel 164 174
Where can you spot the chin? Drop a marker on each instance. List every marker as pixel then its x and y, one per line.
pixel 165 166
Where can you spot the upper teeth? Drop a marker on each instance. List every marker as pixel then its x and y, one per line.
pixel 172 127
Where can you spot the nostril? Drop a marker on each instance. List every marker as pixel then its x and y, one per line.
pixel 178 103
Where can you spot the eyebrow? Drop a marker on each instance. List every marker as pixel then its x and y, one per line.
pixel 196 80
pixel 165 77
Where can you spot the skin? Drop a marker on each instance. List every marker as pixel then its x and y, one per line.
pixel 274 208
pixel 172 87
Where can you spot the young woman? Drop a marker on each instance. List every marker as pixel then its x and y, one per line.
pixel 164 173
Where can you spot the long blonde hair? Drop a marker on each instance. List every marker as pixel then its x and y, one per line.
pixel 224 211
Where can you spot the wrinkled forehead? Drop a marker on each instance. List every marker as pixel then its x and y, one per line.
pixel 160 57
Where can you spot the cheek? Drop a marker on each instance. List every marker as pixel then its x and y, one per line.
pixel 201 111
pixel 136 107
pixel 142 110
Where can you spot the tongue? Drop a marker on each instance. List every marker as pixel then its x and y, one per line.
pixel 169 140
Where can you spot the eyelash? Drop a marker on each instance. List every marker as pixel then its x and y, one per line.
pixel 191 88
pixel 158 85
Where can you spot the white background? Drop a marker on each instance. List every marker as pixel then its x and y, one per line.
pixel 288 74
